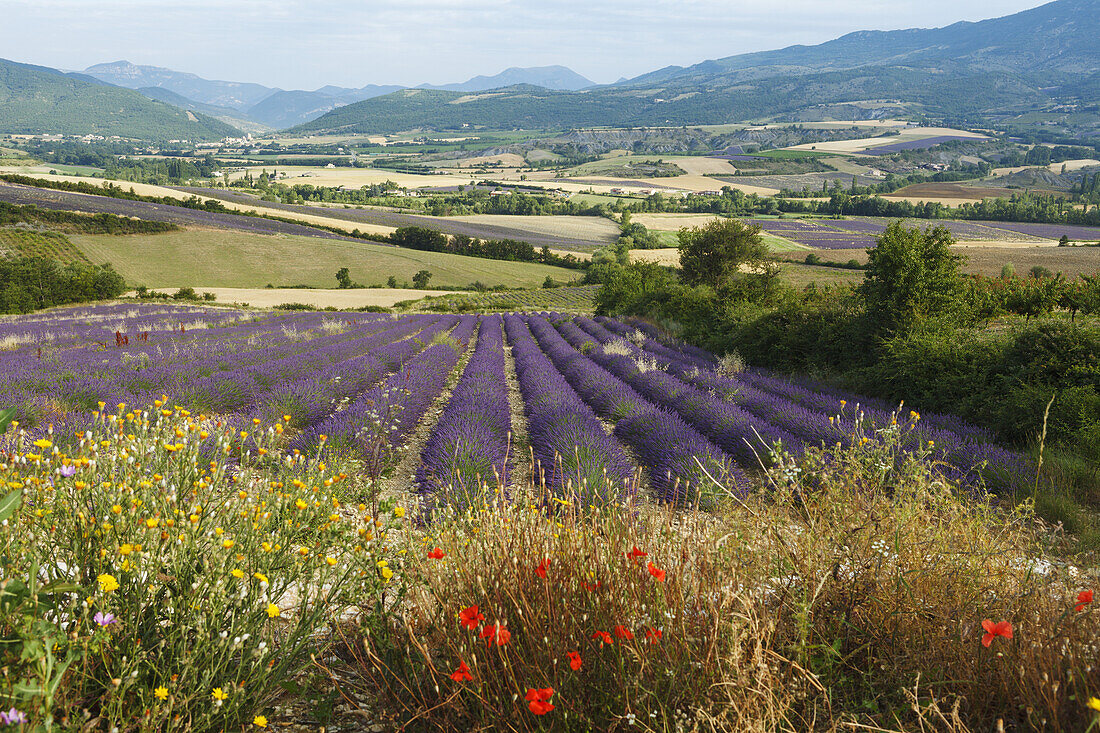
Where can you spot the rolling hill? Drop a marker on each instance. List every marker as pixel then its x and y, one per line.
pixel 1022 61
pixel 38 100
pixel 227 115
pixel 234 102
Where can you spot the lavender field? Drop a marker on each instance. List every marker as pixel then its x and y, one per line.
pixel 594 409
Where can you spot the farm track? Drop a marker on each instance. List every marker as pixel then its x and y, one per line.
pixel 87 203
pixel 523 463
pixel 401 482
pixel 382 217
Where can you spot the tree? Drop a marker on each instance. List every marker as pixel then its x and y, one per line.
pixel 421 279
pixel 911 275
pixel 717 253
pixel 343 278
pixel 419 238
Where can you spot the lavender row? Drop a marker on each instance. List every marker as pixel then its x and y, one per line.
pixel 573 455
pixel 963 448
pixel 202 374
pixel 468 449
pixel 378 420
pixel 652 341
pixel 683 467
pixel 318 393
pixel 744 437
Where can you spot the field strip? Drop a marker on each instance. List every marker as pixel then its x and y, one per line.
pixel 354 298
pixel 523 463
pixel 402 479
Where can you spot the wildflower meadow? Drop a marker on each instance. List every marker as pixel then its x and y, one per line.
pixel 530 522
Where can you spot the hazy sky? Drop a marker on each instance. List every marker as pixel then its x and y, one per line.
pixel 307 44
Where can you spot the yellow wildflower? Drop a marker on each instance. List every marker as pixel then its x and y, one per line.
pixel 161 693
pixel 107 583
pixel 273 610
pixel 219 694
pixel 237 573
pixel 259 721
pixel 399 512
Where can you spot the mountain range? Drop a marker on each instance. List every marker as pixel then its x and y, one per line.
pixel 1043 59
pixel 1023 62
pixel 39 100
pixel 238 103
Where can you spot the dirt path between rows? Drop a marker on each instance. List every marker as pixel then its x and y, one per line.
pixel 402 480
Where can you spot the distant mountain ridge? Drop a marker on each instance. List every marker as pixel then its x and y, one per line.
pixel 235 95
pixel 558 78
pixel 39 100
pixel 1045 55
pixel 278 108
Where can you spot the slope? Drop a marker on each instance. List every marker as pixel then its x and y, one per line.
pixel 1024 61
pixel 38 100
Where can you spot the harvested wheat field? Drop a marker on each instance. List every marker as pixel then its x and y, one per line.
pixel 354 298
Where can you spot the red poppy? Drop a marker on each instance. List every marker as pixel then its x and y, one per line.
pixel 541 569
pixel 470 617
pixel 592 586
pixel 538 701
pixel 538 707
pixel 499 634
pixel 604 637
pixel 1084 598
pixel 654 635
pixel 624 633
pixel 574 660
pixel 993 630
pixel 636 553
pixel 657 573
pixel 462 674
pixel 436 554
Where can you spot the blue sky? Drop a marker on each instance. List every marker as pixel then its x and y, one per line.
pixel 306 44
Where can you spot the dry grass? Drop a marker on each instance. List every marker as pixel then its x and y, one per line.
pixel 592 228
pixel 852 593
pixel 225 259
pixel 987 258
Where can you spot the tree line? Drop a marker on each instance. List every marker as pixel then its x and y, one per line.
pixel 30 283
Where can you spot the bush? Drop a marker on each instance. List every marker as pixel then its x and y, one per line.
pixel 136 603
pixel 185 294
pixel 911 276
pixel 30 283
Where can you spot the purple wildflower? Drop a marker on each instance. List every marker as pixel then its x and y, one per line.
pixel 67 471
pixel 13 717
pixel 105 619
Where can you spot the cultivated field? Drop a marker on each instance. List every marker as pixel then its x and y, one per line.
pixel 868 144
pixel 594 229
pixel 534 229
pixel 219 258
pixel 325 298
pixel 581 518
pixel 65 201
pixel 589 367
